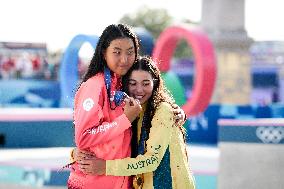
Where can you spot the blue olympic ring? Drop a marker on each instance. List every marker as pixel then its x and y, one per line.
pixel 69 67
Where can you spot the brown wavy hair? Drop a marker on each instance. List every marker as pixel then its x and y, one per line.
pixel 160 94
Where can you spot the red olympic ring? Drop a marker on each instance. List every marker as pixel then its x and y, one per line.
pixel 205 63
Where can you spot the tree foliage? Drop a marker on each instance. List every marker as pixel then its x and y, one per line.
pixel 155 21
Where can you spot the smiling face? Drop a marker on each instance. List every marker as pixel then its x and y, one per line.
pixel 120 55
pixel 140 85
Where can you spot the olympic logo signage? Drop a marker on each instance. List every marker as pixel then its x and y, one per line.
pixel 270 134
pixel 203 51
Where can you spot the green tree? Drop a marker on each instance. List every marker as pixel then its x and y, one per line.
pixel 155 21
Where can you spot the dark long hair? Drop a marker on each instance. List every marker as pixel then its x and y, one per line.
pixel 160 94
pixel 109 34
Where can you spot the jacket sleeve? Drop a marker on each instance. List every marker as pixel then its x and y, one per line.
pixel 90 126
pixel 158 142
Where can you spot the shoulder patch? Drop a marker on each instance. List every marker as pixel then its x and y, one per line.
pixel 88 104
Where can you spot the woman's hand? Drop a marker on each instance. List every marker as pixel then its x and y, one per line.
pixel 132 108
pixel 81 154
pixel 93 166
pixel 89 163
pixel 179 115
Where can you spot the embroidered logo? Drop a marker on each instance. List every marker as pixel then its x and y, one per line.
pixel 88 104
pixel 101 128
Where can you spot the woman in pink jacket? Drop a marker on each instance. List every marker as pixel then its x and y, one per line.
pixel 102 123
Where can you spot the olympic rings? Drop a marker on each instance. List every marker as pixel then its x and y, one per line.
pixel 204 59
pixel 202 49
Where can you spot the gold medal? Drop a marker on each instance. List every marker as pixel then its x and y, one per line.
pixel 138 181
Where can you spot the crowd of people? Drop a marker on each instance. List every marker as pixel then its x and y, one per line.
pixel 28 65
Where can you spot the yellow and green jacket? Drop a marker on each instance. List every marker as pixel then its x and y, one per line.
pixel 164 164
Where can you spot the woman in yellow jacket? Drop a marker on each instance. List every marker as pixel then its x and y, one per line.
pixel 161 160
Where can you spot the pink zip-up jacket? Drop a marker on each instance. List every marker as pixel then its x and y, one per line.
pixel 103 131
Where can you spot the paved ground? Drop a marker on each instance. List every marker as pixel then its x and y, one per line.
pixel 34 166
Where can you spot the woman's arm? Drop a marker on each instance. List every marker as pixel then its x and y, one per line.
pixel 157 144
pixel 90 164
